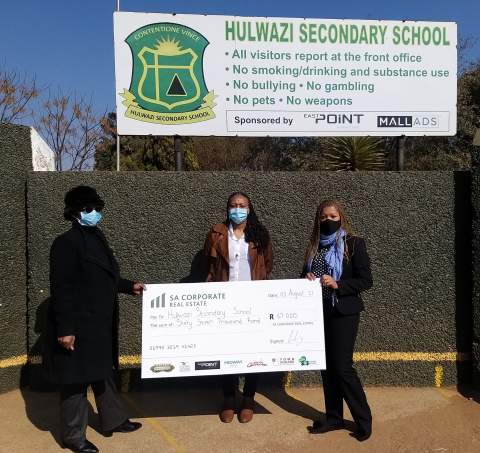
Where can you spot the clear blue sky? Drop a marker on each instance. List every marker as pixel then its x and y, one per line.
pixel 69 44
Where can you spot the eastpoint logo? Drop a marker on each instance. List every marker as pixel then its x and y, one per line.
pixel 336 118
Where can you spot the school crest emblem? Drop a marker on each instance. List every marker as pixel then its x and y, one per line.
pixel 167 83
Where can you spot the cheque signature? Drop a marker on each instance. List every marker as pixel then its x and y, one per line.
pixel 295 337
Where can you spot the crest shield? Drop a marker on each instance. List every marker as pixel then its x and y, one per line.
pixel 167 69
pixel 168 80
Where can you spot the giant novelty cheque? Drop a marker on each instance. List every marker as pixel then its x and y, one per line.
pixel 198 329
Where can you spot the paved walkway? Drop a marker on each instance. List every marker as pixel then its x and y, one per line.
pixel 415 420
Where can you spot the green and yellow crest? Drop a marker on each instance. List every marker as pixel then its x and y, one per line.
pixel 167 84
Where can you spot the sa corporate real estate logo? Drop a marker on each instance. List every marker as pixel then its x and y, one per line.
pixel 167 84
pixel 158 302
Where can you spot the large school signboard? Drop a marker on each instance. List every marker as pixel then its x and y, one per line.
pixel 251 76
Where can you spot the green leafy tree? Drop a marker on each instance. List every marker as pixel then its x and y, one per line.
pixel 142 153
pixel 450 153
pixel 221 153
pixel 284 153
pixel 258 153
pixel 354 154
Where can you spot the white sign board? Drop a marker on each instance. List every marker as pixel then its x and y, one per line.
pixel 199 329
pixel 256 76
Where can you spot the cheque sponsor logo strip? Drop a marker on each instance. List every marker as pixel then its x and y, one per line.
pixel 383 356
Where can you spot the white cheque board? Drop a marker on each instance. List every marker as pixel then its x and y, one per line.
pixel 255 76
pixel 198 329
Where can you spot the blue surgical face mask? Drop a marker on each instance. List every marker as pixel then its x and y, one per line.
pixel 238 215
pixel 91 218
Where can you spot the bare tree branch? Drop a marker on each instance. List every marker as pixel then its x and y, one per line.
pixel 71 129
pixel 16 92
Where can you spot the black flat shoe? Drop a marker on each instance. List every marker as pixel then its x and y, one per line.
pixel 82 447
pixel 126 427
pixel 361 435
pixel 320 428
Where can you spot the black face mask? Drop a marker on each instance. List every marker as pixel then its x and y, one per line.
pixel 328 227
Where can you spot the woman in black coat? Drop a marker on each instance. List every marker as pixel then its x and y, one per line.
pixel 340 260
pixel 83 314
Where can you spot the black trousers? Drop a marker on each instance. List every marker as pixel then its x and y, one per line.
pixel 74 409
pixel 230 385
pixel 340 379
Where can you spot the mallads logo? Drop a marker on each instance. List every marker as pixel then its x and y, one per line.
pixel 407 121
pixel 167 84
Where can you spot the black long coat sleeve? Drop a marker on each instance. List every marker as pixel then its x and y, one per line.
pixel 84 283
pixel 356 277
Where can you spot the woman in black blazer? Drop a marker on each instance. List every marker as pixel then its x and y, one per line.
pixel 340 260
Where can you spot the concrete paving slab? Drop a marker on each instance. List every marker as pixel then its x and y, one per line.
pixel 413 420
